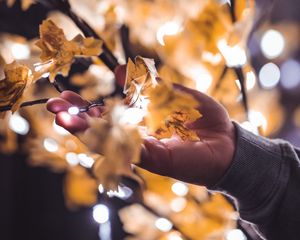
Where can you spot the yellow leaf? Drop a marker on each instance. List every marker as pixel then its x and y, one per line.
pixel 58 53
pixel 168 110
pixel 17 77
pixel 140 75
pixel 80 189
pixel 119 143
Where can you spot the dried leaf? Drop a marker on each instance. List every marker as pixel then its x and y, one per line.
pixel 58 53
pixel 80 189
pixel 119 143
pixel 168 110
pixel 140 75
pixel 17 77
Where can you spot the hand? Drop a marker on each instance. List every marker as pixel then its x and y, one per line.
pixel 203 162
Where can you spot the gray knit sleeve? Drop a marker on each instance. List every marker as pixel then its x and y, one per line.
pixel 264 179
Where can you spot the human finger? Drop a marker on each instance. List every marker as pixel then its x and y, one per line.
pixel 56 105
pixel 72 123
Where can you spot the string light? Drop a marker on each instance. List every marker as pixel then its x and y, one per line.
pixel 73 110
pixel 235 234
pixel 178 204
pixel 72 158
pixel 272 44
pixel 20 51
pixel 101 213
pixel 50 145
pixel 163 224
pixel 133 116
pixel 85 160
pixel 269 75
pixel 168 29
pixel 18 124
pixel 180 189
pixel 234 55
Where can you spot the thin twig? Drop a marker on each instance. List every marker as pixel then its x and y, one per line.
pixel 25 104
pixel 220 80
pixel 106 56
pixel 241 77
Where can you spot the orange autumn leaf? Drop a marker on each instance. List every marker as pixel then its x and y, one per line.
pixel 168 111
pixel 17 77
pixel 58 53
pixel 140 75
pixel 119 144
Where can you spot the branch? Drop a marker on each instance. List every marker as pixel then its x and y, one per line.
pixel 106 56
pixel 240 75
pixel 220 80
pixel 25 104
pixel 232 10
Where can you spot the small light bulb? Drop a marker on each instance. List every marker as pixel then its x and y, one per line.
pixel 101 213
pixel 50 145
pixel 180 189
pixel 73 110
pixel 163 224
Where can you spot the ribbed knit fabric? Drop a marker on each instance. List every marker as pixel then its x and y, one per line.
pixel 259 179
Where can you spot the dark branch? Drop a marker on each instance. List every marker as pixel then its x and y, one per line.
pixel 25 104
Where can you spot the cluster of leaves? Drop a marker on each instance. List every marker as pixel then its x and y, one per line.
pixel 57 57
pixel 168 108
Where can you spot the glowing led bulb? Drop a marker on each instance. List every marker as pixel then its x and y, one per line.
pixel 269 75
pixel 101 213
pixel 72 158
pixel 20 51
pixel 18 124
pixel 272 44
pixel 73 110
pixel 85 160
pixel 163 224
pixel 50 145
pixel 235 234
pixel 168 29
pixel 180 189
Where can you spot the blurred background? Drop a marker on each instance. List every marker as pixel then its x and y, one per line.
pixel 246 54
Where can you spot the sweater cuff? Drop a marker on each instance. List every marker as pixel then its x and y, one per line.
pixel 257 177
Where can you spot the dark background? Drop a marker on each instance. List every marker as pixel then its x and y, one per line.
pixel 31 200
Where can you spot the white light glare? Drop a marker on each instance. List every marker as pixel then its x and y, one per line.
pixel 174 236
pixel 180 189
pixel 50 145
pixel 20 51
pixel 178 204
pixel 60 130
pixel 235 234
pixel 73 110
pixel 101 213
pixel 234 55
pixel 258 119
pixel 122 193
pixel 18 124
pixel 290 74
pixel 72 158
pixel 269 75
pixel 133 116
pixel 168 29
pixel 163 224
pixel 272 44
pixel 85 160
